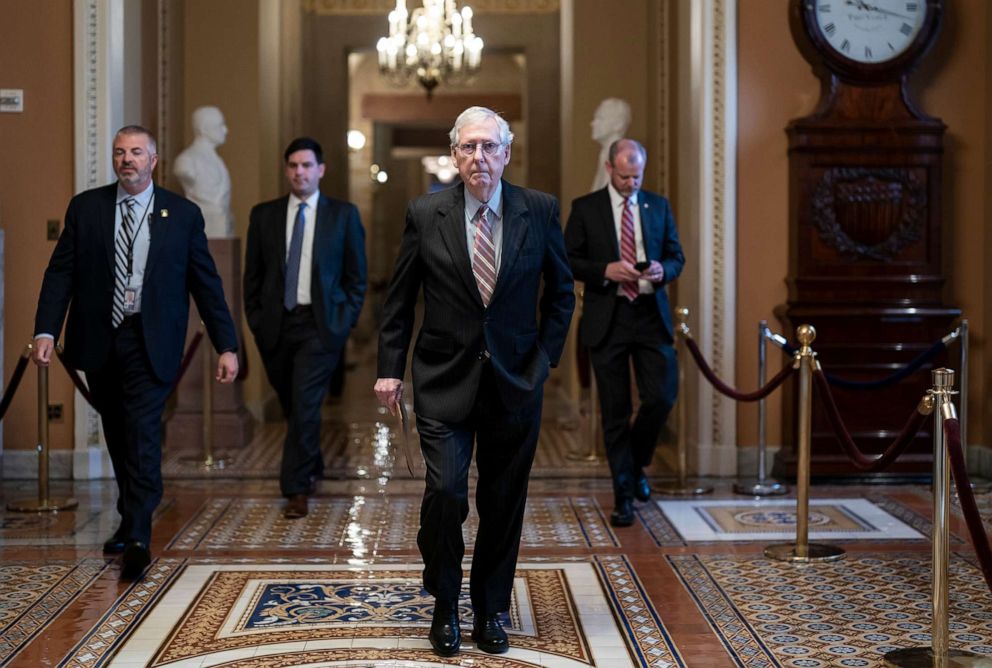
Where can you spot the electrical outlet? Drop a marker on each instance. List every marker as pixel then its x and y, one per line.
pixel 55 412
pixel 52 228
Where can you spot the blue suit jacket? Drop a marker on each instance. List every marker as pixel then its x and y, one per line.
pixel 534 279
pixel 338 278
pixel 80 280
pixel 591 239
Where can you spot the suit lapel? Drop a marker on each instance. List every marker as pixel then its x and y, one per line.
pixel 605 206
pixel 321 232
pixel 108 214
pixel 649 228
pixel 158 228
pixel 452 230
pixel 514 231
pixel 277 237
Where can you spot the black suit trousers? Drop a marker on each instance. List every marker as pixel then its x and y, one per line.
pixel 506 442
pixel 300 368
pixel 130 399
pixel 637 335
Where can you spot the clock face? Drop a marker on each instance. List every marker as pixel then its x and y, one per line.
pixel 870 31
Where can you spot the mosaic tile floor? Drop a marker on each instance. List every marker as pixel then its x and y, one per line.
pixel 235 585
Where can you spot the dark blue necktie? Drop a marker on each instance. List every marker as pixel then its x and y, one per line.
pixel 293 261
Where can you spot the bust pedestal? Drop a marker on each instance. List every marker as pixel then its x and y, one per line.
pixel 233 426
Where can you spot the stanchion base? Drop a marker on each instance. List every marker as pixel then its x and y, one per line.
pixel 590 457
pixel 756 488
pixel 678 489
pixel 217 463
pixel 37 506
pixel 922 657
pixel 814 552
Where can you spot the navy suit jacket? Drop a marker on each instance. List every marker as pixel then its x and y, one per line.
pixel 591 239
pixel 337 281
pixel 80 280
pixel 457 330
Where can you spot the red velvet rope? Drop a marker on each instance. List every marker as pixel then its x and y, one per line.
pixel 15 381
pixel 979 539
pixel 187 358
pixel 760 393
pixel 74 376
pixel 859 459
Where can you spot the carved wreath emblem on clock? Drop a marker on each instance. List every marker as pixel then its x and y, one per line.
pixel 867 213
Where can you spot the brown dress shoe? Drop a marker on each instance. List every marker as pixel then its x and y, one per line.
pixel 296 507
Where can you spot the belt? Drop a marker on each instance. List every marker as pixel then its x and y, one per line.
pixel 301 309
pixel 640 299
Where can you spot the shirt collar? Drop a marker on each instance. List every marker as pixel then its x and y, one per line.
pixel 617 199
pixel 142 198
pixel 495 202
pixel 294 201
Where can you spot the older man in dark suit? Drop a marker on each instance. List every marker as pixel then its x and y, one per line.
pixel 304 284
pixel 488 257
pixel 125 265
pixel 622 243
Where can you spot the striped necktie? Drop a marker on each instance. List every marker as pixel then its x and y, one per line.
pixel 484 257
pixel 628 249
pixel 123 246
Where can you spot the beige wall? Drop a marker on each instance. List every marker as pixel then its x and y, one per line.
pixel 36 182
pixel 775 85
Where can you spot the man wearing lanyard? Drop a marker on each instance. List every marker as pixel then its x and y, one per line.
pixel 128 259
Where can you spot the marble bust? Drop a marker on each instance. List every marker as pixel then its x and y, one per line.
pixel 609 123
pixel 203 175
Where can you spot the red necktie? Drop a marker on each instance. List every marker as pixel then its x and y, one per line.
pixel 484 257
pixel 628 251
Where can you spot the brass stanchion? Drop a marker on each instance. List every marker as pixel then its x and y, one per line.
pixel 681 486
pixel 938 654
pixel 208 461
pixel 43 503
pixel 802 551
pixel 592 429
pixel 760 486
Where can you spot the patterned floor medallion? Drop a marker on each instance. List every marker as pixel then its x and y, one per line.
pixel 562 614
pixel 32 595
pixel 369 525
pixel 847 613
pixel 765 519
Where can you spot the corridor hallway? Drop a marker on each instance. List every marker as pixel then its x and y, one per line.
pixel 234 584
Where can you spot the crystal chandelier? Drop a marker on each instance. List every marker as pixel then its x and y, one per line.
pixel 435 43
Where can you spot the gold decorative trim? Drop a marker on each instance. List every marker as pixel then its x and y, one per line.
pixel 662 97
pixel 719 184
pixel 383 7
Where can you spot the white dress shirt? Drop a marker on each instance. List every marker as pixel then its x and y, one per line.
pixel 306 254
pixel 644 286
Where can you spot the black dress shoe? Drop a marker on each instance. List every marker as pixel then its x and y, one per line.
pixel 297 506
pixel 446 634
pixel 489 635
pixel 642 489
pixel 623 513
pixel 136 560
pixel 114 544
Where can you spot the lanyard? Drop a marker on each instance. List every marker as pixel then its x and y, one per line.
pixel 134 235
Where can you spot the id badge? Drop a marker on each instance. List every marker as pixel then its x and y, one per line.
pixel 129 297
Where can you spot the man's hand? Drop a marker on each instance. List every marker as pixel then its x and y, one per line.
pixel 390 393
pixel 654 273
pixel 621 272
pixel 227 367
pixel 42 351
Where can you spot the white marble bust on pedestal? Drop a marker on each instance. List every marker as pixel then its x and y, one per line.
pixel 203 175
pixel 609 123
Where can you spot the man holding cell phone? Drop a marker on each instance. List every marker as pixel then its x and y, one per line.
pixel 622 243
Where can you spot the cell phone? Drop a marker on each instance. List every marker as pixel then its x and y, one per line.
pixel 641 266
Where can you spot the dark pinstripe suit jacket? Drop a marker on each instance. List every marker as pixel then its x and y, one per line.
pixel 524 327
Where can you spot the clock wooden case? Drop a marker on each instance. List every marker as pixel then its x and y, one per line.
pixel 865 181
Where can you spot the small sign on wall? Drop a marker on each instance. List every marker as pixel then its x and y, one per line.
pixel 11 100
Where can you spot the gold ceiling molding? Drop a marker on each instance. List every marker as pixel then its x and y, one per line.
pixel 383 7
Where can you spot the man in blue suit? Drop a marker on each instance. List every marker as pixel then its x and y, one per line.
pixel 623 245
pixel 304 284
pixel 129 257
pixel 490 261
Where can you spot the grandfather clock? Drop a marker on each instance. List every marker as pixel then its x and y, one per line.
pixel 865 222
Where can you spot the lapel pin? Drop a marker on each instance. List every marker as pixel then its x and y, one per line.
pixel 164 213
